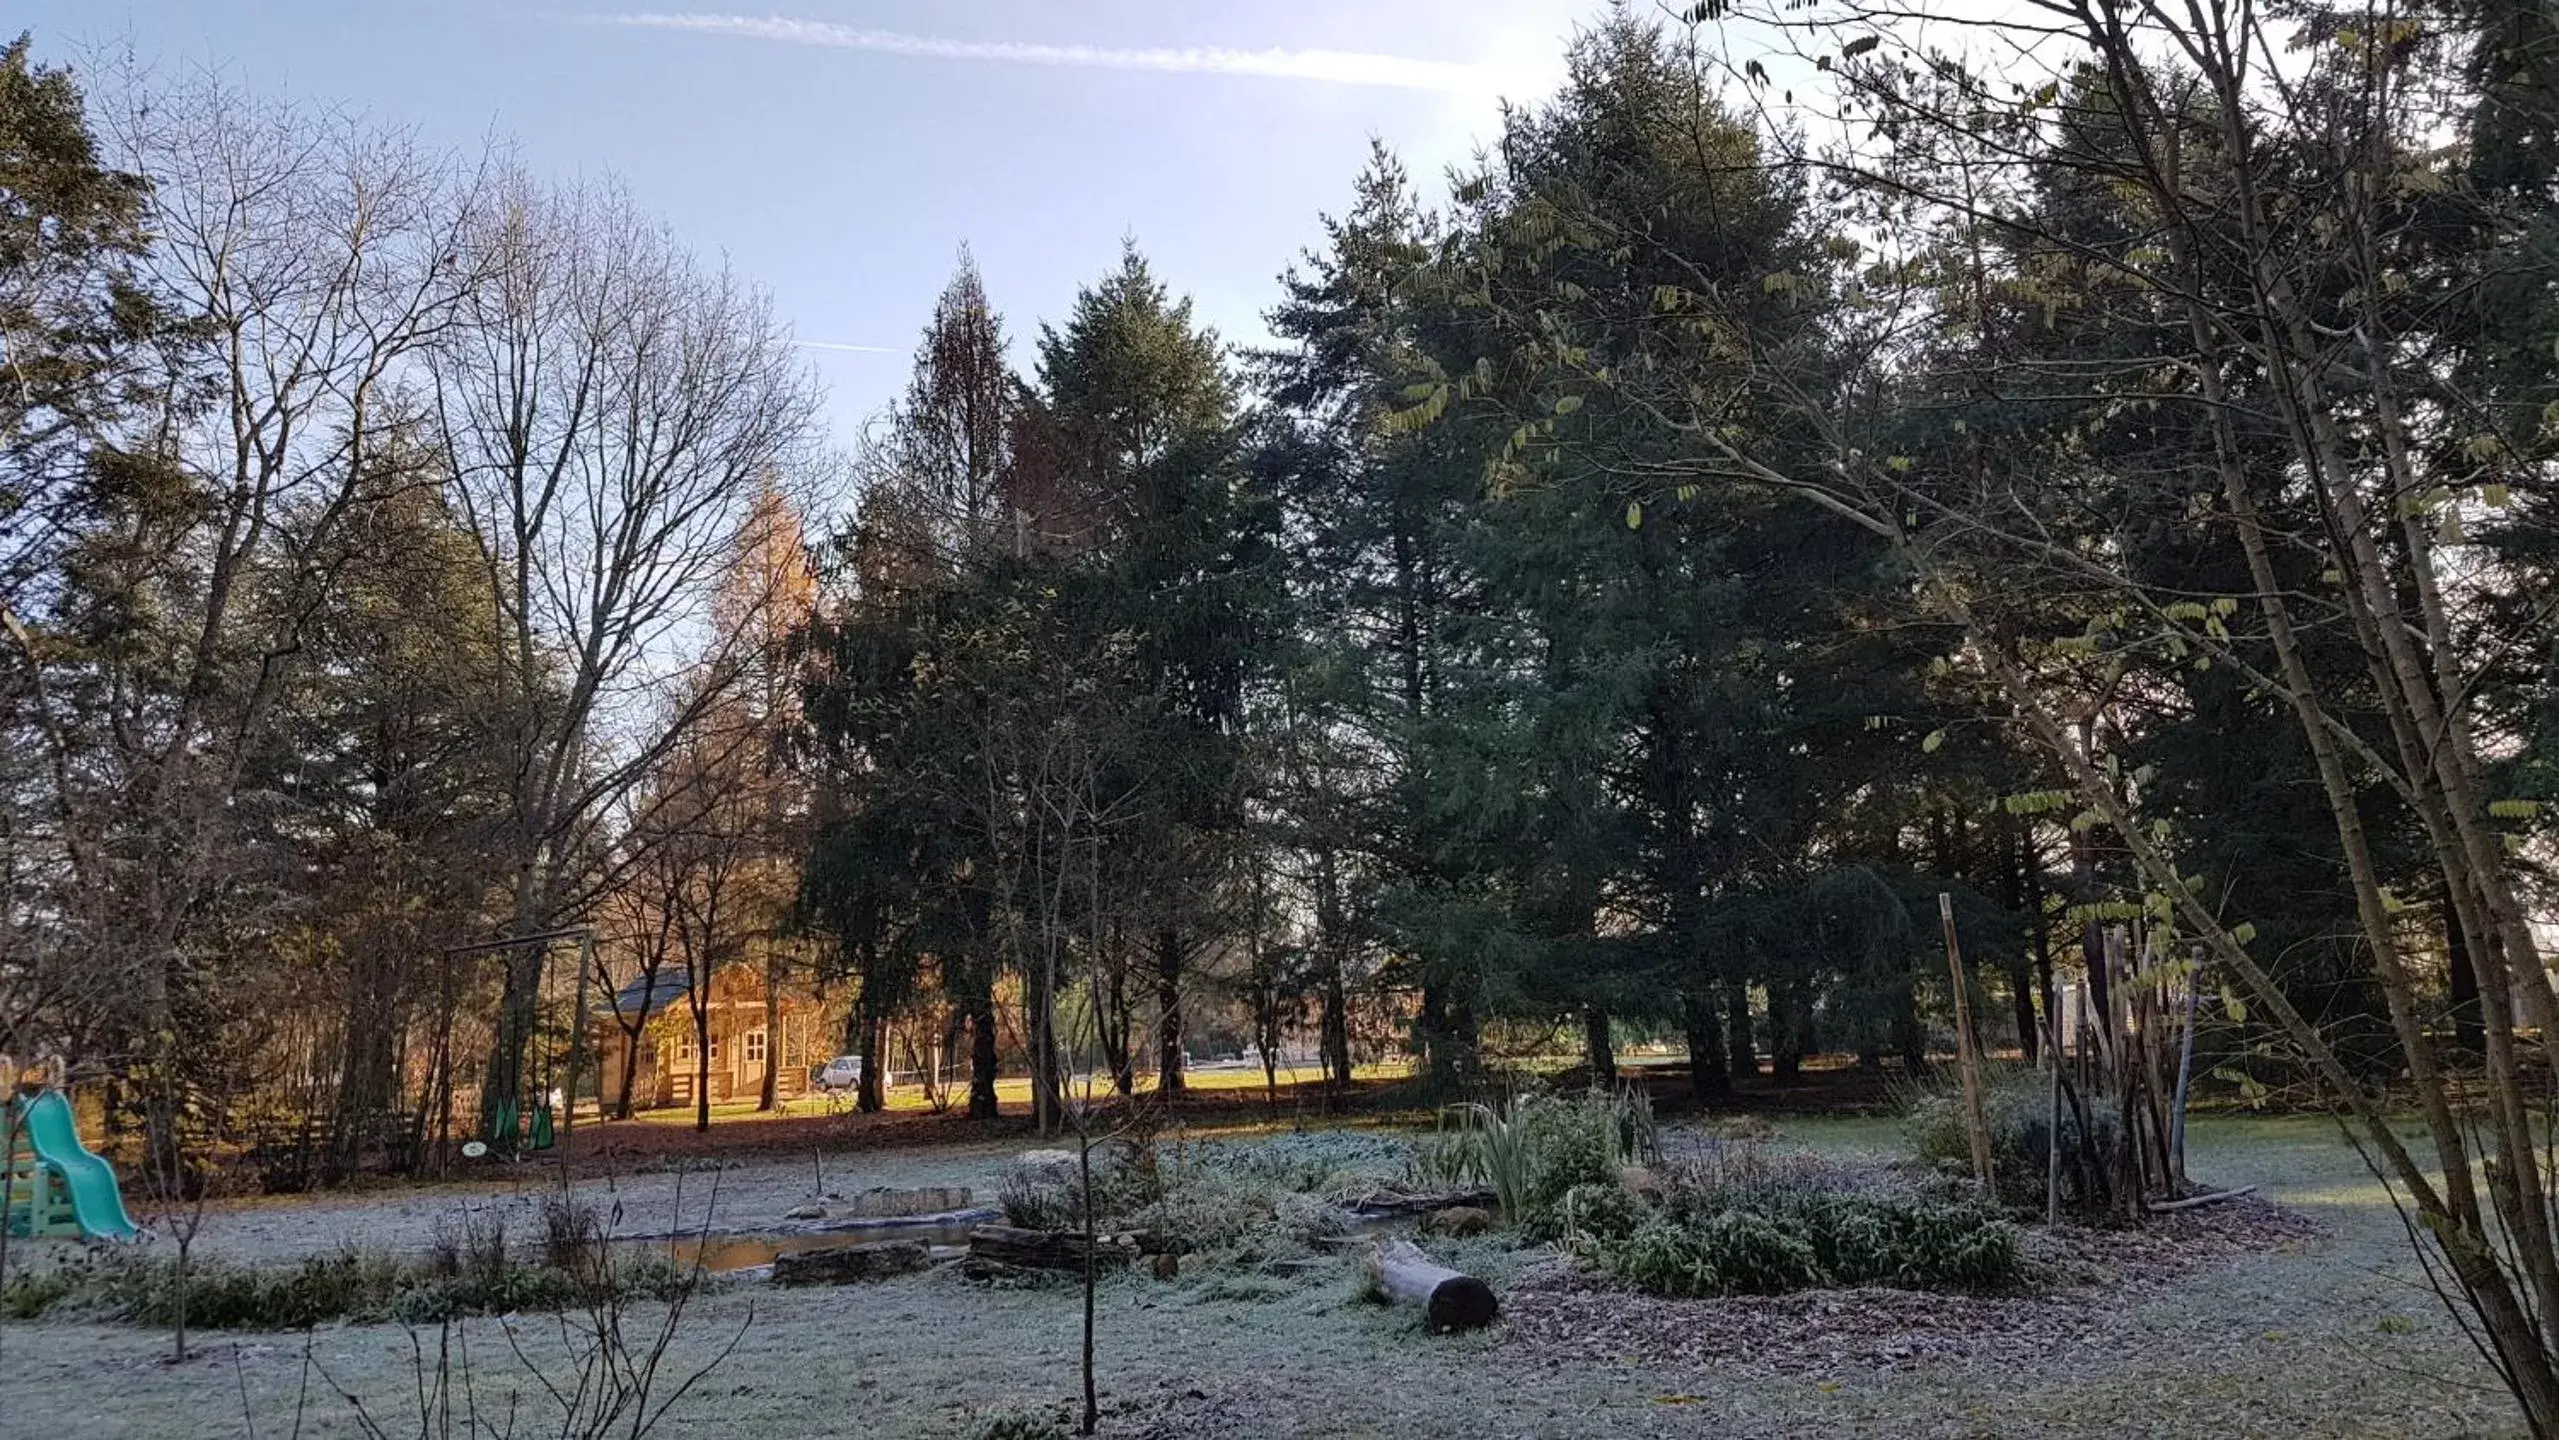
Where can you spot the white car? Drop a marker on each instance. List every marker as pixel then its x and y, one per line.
pixel 844 1072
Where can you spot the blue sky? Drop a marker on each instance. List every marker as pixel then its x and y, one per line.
pixel 840 151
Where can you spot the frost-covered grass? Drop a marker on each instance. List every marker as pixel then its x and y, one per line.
pixel 2325 1338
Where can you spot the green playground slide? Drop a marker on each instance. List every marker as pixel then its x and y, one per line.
pixel 90 1182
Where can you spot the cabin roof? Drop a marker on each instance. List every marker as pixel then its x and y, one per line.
pixel 649 994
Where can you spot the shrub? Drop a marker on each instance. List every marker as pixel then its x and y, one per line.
pixel 1308 1220
pixel 1601 1213
pixel 1024 1425
pixel 1734 1252
pixel 1126 1178
pixel 572 1236
pixel 469 1243
pixel 1664 1257
pixel 1311 1162
pixel 1773 1242
pixel 347 1283
pixel 2018 1109
pixel 1536 1149
pixel 1716 1169
pixel 1195 1212
pixel 30 1293
pixel 1245 1208
pixel 438 1301
pixel 1910 1241
pixel 1030 1203
pixel 1757 1253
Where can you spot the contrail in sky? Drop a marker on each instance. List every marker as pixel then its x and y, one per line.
pixel 854 349
pixel 1338 67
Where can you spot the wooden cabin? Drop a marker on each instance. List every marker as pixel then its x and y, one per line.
pixel 743 1039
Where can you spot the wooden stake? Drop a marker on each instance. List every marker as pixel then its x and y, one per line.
pixel 2052 1120
pixel 2185 1079
pixel 1976 1123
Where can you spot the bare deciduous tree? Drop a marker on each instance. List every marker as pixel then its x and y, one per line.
pixel 305 258
pixel 610 411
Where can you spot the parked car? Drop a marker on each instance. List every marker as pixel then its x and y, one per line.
pixel 844 1072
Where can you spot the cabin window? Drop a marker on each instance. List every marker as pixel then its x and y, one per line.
pixel 754 1047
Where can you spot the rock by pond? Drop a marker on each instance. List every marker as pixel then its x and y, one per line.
pixel 851 1264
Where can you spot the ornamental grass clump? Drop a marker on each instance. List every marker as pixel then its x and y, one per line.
pixel 1535 1150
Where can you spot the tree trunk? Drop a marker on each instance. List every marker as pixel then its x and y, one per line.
pixel 769 1095
pixel 1785 1031
pixel 701 1060
pixel 1048 1095
pixel 1598 1047
pixel 1743 1056
pixel 871 1096
pixel 366 1081
pixel 2468 1021
pixel 1709 1071
pixel 1909 1034
pixel 1117 1027
pixel 1168 1011
pixel 982 1055
pixel 1336 1028
pixel 1431 1029
pixel 630 1069
pixel 2021 984
pixel 1333 1025
pixel 503 1092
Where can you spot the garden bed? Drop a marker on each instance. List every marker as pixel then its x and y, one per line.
pixel 1564 1313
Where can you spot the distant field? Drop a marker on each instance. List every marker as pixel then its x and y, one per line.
pixel 1016 1091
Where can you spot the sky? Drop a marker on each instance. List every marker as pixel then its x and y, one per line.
pixel 840 152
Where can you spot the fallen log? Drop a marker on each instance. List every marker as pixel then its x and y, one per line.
pixel 1401 1273
pixel 1384 1204
pixel 851 1264
pixel 1007 1246
pixel 2191 1201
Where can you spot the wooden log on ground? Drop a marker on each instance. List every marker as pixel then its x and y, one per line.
pixel 1449 1301
pixel 851 1264
pixel 1379 1206
pixel 1006 1246
pixel 2190 1202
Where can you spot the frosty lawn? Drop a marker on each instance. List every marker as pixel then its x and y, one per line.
pixel 2324 1334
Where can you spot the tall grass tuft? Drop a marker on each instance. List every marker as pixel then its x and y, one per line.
pixel 1535 1149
